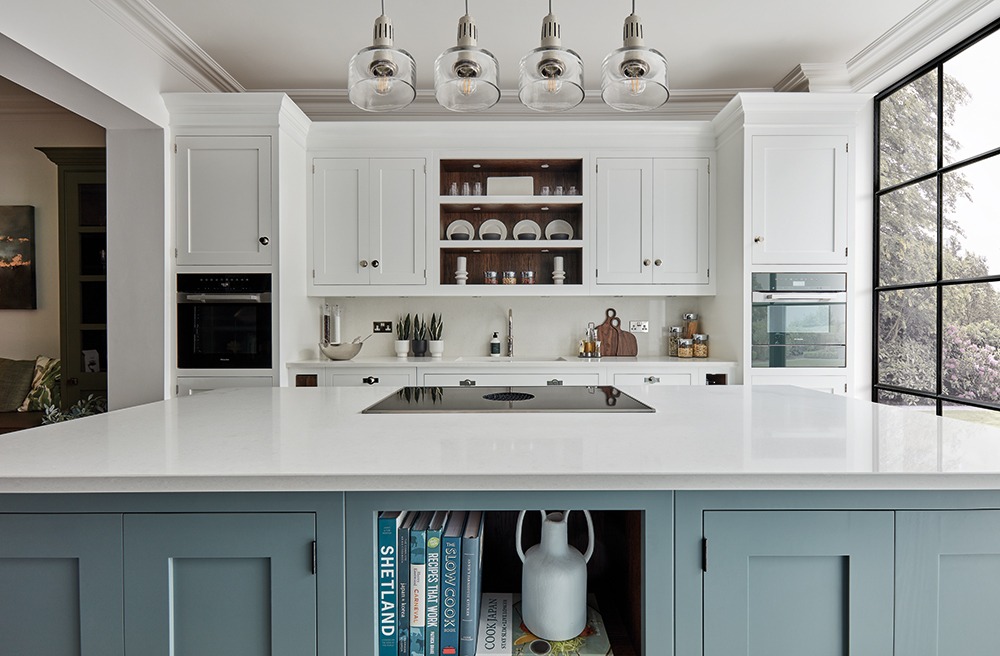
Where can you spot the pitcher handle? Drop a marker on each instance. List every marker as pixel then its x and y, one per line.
pixel 517 534
pixel 590 536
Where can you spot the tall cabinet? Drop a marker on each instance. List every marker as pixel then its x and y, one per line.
pixel 83 298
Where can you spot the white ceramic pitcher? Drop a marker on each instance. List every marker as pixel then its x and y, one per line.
pixel 554 579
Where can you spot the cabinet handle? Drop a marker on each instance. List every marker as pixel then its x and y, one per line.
pixel 264 241
pixel 658 262
pixel 364 263
pixel 370 380
pixel 554 381
pixel 758 239
pixel 645 262
pixel 468 382
pixel 375 263
pixel 652 379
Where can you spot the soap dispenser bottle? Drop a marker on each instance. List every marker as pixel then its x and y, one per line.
pixel 495 345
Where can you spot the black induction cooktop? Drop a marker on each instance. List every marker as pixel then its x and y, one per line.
pixel 553 398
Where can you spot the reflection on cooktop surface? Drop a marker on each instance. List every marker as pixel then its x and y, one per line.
pixel 554 398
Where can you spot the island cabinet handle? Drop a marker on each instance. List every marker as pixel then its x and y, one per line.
pixel 554 381
pixel 468 382
pixel 370 380
pixel 652 379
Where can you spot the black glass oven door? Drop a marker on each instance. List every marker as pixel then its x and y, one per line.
pixel 224 335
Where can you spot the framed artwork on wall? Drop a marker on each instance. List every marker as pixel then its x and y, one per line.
pixel 17 257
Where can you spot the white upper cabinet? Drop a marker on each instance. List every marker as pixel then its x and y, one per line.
pixel 224 202
pixel 799 199
pixel 653 221
pixel 369 221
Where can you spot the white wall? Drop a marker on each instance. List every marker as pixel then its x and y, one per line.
pixel 543 327
pixel 27 177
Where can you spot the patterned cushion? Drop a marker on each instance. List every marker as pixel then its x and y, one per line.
pixel 44 385
pixel 15 381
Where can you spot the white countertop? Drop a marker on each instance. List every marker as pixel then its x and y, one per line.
pixel 306 439
pixel 480 361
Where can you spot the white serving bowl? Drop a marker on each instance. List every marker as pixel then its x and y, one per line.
pixel 341 351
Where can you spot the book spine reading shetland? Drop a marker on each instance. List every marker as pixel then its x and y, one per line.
pixel 451 577
pixel 418 584
pixel 432 629
pixel 403 584
pixel 387 588
pixel 472 568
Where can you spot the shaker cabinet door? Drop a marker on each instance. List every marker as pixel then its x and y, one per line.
pixel 787 583
pixel 340 222
pixel 224 201
pixel 624 221
pixel 398 222
pixel 799 199
pixel 681 221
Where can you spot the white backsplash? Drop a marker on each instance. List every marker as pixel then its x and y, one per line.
pixel 542 326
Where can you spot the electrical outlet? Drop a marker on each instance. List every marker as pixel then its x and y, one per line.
pixel 638 326
pixel 381 326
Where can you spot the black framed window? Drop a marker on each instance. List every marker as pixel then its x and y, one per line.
pixel 937 235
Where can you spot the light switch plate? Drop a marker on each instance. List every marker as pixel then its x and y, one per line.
pixel 638 326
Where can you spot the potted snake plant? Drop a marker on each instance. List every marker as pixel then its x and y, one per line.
pixel 436 345
pixel 419 343
pixel 402 343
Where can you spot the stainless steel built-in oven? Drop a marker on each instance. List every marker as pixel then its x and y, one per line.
pixel 799 320
pixel 223 321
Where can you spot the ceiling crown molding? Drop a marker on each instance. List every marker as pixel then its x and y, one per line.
pixel 161 35
pixel 816 78
pixel 684 105
pixel 922 28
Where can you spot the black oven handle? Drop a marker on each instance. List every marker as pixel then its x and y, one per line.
pixel 183 297
pixel 798 297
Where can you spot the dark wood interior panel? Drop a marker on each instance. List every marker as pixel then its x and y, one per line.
pixel 516 260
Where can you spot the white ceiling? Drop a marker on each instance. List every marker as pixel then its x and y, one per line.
pixel 710 45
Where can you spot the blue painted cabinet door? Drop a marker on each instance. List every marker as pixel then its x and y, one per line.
pixel 60 585
pixel 220 584
pixel 788 583
pixel 948 583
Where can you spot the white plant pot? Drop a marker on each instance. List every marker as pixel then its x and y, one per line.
pixel 402 347
pixel 435 348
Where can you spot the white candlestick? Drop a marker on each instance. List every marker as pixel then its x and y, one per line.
pixel 460 263
pixel 558 263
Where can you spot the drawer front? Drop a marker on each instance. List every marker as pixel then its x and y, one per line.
pixel 652 379
pixel 370 378
pixel 506 380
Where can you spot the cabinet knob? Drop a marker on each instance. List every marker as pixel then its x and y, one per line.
pixel 468 382
pixel 652 379
pixel 370 380
pixel 658 262
pixel 645 262
pixel 264 241
pixel 758 239
pixel 375 263
pixel 364 263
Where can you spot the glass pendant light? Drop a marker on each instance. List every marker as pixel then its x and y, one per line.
pixel 551 77
pixel 465 77
pixel 382 78
pixel 635 77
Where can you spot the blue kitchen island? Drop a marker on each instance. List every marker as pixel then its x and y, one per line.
pixel 732 520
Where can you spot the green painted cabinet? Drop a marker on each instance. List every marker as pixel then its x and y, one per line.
pixel 780 583
pixel 60 584
pixel 947 582
pixel 226 584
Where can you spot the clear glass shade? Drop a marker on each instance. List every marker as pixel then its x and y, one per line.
pixel 465 79
pixel 381 79
pixel 635 79
pixel 551 79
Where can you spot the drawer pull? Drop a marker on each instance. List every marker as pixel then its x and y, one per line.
pixel 370 380
pixel 468 382
pixel 554 381
pixel 652 379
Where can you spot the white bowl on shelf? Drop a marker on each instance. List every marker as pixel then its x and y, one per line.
pixel 341 351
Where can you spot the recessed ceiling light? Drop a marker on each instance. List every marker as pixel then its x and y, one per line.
pixel 545 166
pixel 477 208
pixel 545 209
pixel 477 166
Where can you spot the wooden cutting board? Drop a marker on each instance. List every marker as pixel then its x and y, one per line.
pixel 627 344
pixel 608 334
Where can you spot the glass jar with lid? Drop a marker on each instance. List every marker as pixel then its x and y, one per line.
pixel 700 345
pixel 685 348
pixel 673 334
pixel 690 324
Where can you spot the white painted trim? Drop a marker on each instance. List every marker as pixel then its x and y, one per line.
pixel 167 40
pixel 816 77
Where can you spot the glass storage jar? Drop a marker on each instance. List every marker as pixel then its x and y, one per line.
pixel 490 277
pixel 700 345
pixel 673 335
pixel 690 325
pixel 685 348
pixel 509 278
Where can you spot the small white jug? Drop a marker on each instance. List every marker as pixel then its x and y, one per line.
pixel 554 579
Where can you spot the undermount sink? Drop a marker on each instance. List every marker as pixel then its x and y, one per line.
pixel 522 359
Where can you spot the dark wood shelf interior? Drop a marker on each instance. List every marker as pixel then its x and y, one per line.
pixel 546 172
pixel 511 215
pixel 516 260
